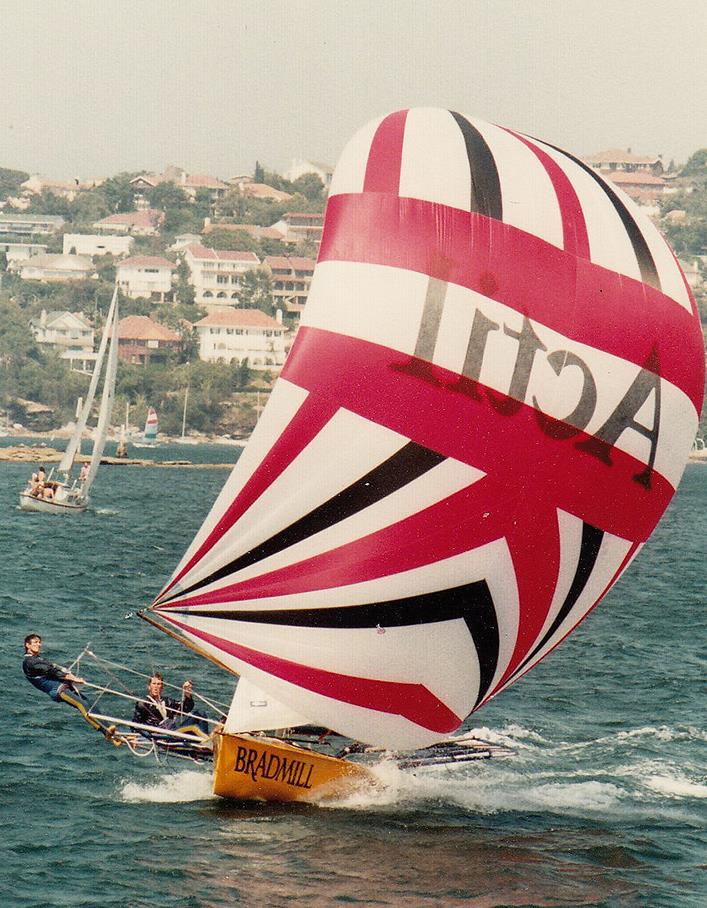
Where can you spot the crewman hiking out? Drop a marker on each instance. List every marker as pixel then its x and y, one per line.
pixel 59 684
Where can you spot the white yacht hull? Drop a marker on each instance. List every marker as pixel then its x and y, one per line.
pixel 54 506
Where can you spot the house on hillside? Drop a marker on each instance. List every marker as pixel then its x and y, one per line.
pixel 142 340
pixel 618 159
pixel 190 183
pixel 254 230
pixel 642 185
pixel 291 278
pixel 26 225
pixel 216 274
pixel 56 267
pixel 95 244
pixel 20 252
pixel 233 335
pixel 139 223
pixel 249 187
pixel 70 333
pixel 147 276
pixel 301 226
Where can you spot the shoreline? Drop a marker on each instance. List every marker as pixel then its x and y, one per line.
pixel 25 453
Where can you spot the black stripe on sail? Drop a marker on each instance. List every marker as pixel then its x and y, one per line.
pixel 485 181
pixel 646 263
pixel 406 465
pixel 588 554
pixel 471 602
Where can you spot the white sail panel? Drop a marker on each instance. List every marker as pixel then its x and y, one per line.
pixel 106 407
pixel 67 460
pixel 254 710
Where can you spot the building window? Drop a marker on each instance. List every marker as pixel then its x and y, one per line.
pixel 221 278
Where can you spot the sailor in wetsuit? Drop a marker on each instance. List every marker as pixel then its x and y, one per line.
pixel 163 712
pixel 57 683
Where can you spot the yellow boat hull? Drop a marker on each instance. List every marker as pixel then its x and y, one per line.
pixel 266 769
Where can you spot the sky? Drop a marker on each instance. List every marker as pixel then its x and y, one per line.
pixel 91 88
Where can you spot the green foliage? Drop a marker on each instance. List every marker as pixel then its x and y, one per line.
pixel 255 291
pixel 696 164
pixel 310 186
pixel 118 193
pixel 183 289
pixel 258 173
pixel 230 240
pixel 167 195
pixel 10 181
pixel 47 202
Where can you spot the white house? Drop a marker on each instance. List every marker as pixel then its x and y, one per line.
pixel 145 275
pixel 69 332
pixel 55 267
pixel 20 252
pixel 300 167
pixel 93 244
pixel 216 274
pixel 146 222
pixel 232 335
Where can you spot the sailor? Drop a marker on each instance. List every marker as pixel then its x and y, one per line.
pixel 83 475
pixel 164 712
pixel 57 683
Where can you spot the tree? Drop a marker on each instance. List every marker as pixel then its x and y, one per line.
pixel 230 240
pixel 167 195
pixel 259 173
pixel 696 164
pixel 47 202
pixel 118 193
pixel 10 181
pixel 183 288
pixel 255 291
pixel 310 186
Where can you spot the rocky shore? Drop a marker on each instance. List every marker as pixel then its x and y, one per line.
pixel 24 453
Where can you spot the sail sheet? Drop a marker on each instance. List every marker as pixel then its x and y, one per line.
pixel 488 406
pixel 252 709
pixel 106 407
pixel 151 425
pixel 72 448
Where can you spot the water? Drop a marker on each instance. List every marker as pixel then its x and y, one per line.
pixel 604 804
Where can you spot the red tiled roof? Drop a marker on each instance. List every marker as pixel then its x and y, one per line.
pixel 147 261
pixel 238 318
pixel 620 156
pixel 296 263
pixel 150 217
pixel 221 255
pixel 202 181
pixel 143 328
pixel 303 214
pixel 637 178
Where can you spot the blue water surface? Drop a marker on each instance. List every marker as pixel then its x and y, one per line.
pixel 603 804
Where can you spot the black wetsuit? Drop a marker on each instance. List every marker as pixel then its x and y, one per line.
pixel 147 711
pixel 43 674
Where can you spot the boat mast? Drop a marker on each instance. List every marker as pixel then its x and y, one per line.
pixel 184 414
pixel 67 461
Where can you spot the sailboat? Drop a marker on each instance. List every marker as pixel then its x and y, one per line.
pixel 70 494
pixel 149 436
pixel 487 408
pixel 122 446
pixel 183 439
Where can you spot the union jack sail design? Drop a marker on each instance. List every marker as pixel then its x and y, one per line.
pixel 487 408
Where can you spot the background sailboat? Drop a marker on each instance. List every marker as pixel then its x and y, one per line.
pixel 70 494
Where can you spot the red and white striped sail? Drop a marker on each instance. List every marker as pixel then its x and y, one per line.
pixel 487 408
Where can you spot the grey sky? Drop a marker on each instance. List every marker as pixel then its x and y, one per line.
pixel 94 87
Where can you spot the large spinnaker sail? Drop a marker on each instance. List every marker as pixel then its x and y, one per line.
pixel 488 406
pixel 106 408
pixel 67 461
